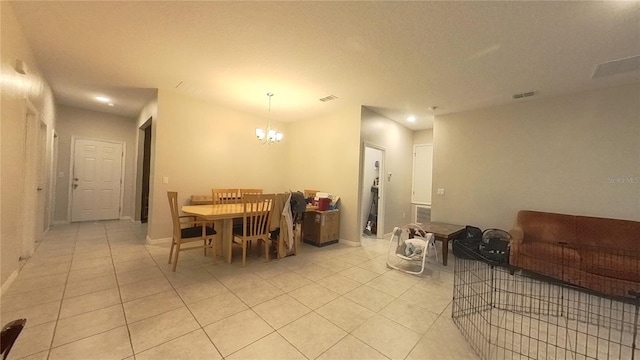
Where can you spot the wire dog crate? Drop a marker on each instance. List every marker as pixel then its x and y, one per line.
pixel 508 313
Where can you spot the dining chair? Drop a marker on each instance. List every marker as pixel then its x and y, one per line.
pixel 10 333
pixel 255 222
pixel 187 231
pixel 226 196
pixel 250 191
pixel 201 200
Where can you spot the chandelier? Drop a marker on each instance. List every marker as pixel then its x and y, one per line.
pixel 268 136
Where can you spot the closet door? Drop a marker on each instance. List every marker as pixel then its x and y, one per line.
pixel 422 170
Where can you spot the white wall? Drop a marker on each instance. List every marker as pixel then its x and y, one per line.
pixel 199 145
pixel 423 136
pixel 574 154
pixel 397 141
pixel 81 123
pixel 15 88
pixel 323 153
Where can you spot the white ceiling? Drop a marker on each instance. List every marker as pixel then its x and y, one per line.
pixel 398 58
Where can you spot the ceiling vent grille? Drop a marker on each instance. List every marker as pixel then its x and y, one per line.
pixel 615 67
pixel 524 95
pixel 328 98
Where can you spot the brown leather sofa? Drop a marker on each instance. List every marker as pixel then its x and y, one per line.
pixel 595 253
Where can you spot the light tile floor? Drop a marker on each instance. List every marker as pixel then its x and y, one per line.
pixel 97 291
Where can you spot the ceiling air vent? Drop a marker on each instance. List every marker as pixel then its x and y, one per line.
pixel 524 95
pixel 619 66
pixel 328 98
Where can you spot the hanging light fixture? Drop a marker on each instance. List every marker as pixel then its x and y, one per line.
pixel 268 136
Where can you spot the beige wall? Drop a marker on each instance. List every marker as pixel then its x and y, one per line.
pixel 15 88
pixel 323 153
pixel 397 141
pixel 423 136
pixel 575 154
pixel 199 145
pixel 86 124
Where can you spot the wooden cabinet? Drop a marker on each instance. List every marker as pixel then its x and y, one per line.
pixel 321 228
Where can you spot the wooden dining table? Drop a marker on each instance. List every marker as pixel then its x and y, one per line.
pixel 224 212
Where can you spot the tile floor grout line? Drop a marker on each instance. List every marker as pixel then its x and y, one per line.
pixel 124 313
pixel 55 328
pixel 175 289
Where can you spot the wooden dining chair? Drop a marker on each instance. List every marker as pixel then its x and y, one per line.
pixel 250 191
pixel 255 222
pixel 186 231
pixel 9 335
pixel 226 196
pixel 201 200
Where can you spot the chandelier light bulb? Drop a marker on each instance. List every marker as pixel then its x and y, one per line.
pixel 268 135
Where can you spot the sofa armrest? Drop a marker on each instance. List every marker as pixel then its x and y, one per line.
pixel 517 237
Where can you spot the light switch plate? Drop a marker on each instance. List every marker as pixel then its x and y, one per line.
pixel 165 180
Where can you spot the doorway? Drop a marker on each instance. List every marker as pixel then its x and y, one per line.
pixel 372 191
pixel 96 180
pixel 146 172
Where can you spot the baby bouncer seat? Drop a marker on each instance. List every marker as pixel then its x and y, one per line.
pixel 410 244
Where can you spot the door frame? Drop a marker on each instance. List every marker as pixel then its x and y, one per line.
pixel 381 188
pixel 53 177
pixel 31 210
pixel 145 179
pixel 72 163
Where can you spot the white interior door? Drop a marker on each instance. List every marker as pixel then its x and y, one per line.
pixel 31 225
pixel 422 173
pixel 97 180
pixel 41 180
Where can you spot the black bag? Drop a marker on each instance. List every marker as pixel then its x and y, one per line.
pixel 473 232
pixel 298 203
pixel 468 245
pixel 495 245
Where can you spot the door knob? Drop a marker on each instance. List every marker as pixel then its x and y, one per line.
pixel 39 189
pixel 75 186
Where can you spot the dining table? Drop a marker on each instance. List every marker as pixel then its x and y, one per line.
pixel 226 213
pixel 216 212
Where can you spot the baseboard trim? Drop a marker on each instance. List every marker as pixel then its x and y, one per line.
pixel 61 222
pixel 151 241
pixel 9 281
pixel 349 242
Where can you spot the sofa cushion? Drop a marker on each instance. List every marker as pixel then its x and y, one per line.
pixel 553 253
pixel 608 233
pixel 621 265
pixel 547 227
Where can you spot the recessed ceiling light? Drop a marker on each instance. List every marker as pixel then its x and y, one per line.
pixel 103 99
pixel 110 104
pixel 411 118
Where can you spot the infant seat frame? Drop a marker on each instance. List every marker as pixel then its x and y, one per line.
pixel 412 243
